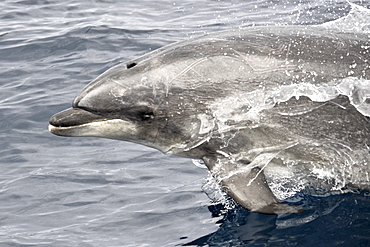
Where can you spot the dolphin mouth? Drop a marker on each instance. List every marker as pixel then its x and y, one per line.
pixel 77 122
pixel 63 123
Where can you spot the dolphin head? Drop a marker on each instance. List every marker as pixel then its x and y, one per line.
pixel 132 102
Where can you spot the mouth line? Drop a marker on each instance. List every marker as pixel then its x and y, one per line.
pixel 52 127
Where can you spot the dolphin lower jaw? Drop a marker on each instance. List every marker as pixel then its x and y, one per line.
pixel 113 129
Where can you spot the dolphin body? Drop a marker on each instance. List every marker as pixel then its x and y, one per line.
pixel 255 104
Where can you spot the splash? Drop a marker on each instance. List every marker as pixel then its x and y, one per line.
pixel 216 195
pixel 356 89
pixel 357 21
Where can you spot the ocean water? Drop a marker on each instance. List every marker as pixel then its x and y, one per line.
pixel 58 191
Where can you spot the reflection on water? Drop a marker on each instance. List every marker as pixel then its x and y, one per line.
pixel 327 221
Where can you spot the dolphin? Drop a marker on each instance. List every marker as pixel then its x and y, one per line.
pixel 257 105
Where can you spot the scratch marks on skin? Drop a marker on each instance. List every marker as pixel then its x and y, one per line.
pixel 290 111
pixel 167 76
pixel 184 71
pixel 190 67
pixel 272 149
pixel 335 103
pixel 226 155
pixel 267 64
pixel 115 80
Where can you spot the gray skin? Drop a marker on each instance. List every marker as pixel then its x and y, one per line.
pixel 255 105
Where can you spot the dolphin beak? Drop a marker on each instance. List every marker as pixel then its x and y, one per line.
pixel 79 122
pixel 73 117
pixel 63 123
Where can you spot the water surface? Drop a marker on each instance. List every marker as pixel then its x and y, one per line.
pixel 93 192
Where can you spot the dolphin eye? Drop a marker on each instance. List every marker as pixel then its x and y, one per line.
pixel 131 65
pixel 141 113
pixel 147 116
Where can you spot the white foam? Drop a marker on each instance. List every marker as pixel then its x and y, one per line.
pixel 214 192
pixel 357 20
pixel 242 107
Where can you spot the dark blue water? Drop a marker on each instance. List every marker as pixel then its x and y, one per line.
pixel 93 192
